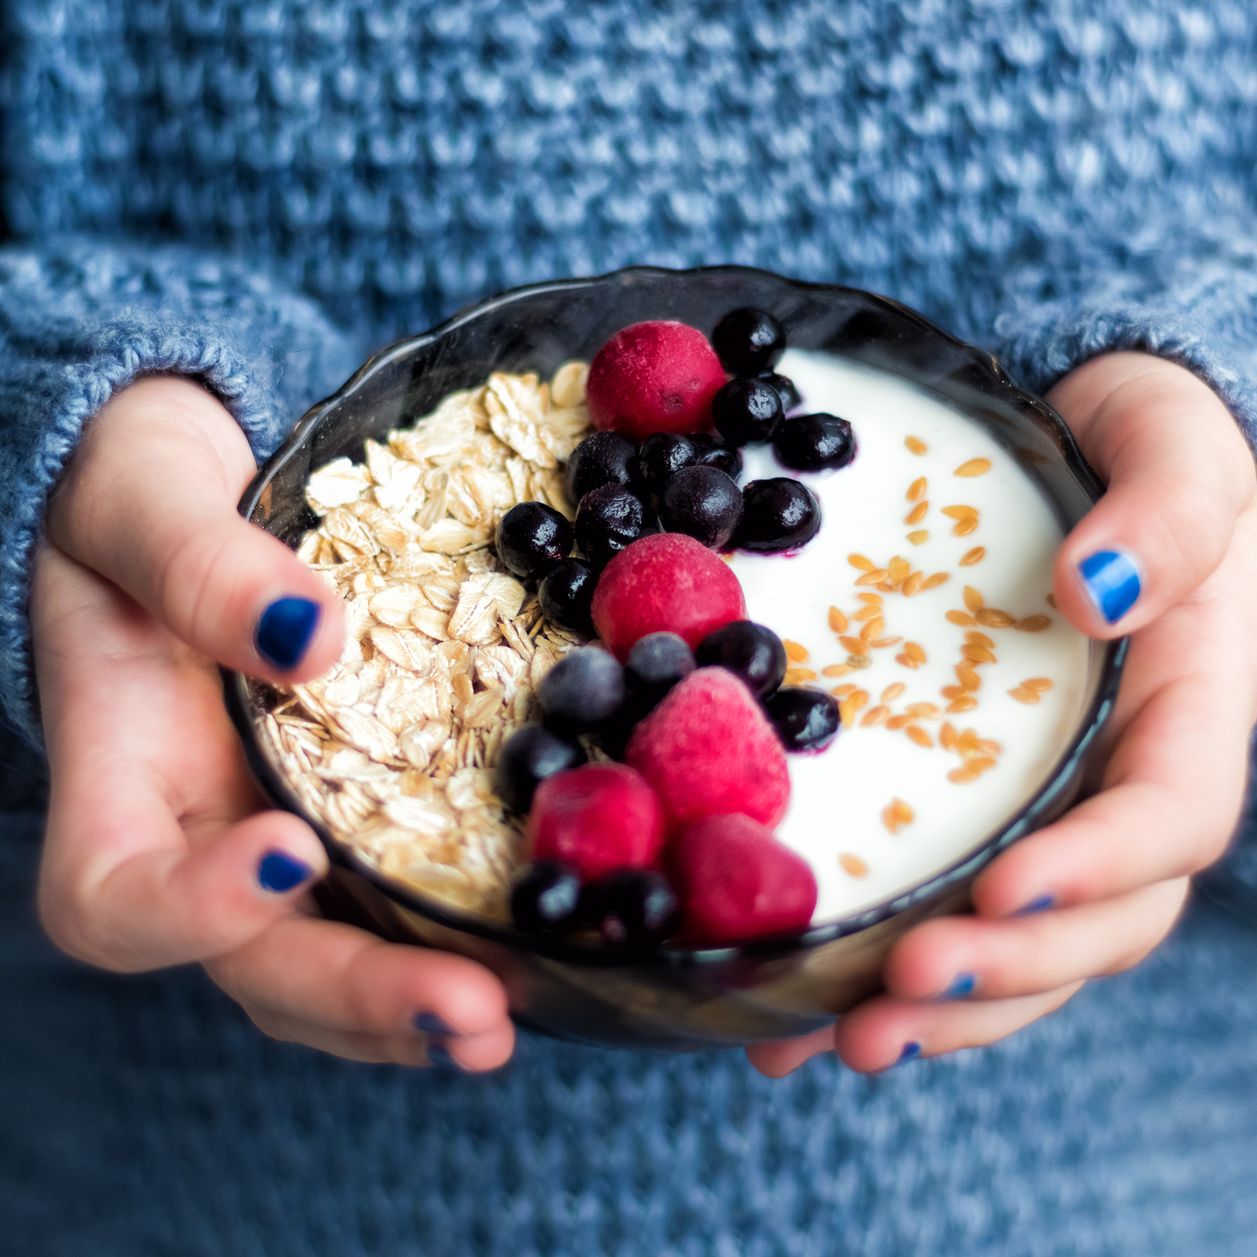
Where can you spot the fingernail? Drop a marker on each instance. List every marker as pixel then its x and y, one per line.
pixel 439 1057
pixel 278 872
pixel 911 1050
pixel 1111 578
pixel 962 984
pixel 1041 903
pixel 433 1023
pixel 284 631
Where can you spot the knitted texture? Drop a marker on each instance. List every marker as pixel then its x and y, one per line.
pixel 255 192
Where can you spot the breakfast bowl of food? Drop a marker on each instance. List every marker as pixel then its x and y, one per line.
pixel 700 643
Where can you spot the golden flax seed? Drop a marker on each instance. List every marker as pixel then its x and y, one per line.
pixel 853 865
pixel 880 643
pixel 859 661
pixel 1038 683
pixel 914 650
pixel 893 691
pixel 837 621
pixel 870 611
pixel 834 670
pixel 975 653
pixel 916 490
pixel 953 691
pixel 918 735
pixel 898 569
pixel 797 676
pixel 961 512
pixel 859 561
pixel 915 444
pixel 917 514
pixel 872 629
pixel 979 638
pixel 962 618
pixel 841 691
pixel 1023 695
pixel 947 736
pixel 990 617
pixel 875 577
pixel 875 715
pixel 933 582
pixel 1033 623
pixel 853 645
pixel 973 600
pixel 796 652
pixel 899 722
pixel 974 467
pixel 970 557
pixel 912 586
pixel 967 675
pixel 967 703
pixel 962 774
pixel 919 536
pixel 926 710
pixel 869 598
pixel 965 527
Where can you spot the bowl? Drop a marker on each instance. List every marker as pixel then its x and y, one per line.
pixel 675 997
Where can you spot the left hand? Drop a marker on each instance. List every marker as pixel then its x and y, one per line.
pixel 1182 503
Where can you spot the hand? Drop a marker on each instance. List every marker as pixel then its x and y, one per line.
pixel 157 852
pixel 1106 882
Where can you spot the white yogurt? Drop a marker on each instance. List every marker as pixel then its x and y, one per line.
pixel 835 819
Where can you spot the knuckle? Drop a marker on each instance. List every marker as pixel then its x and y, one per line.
pixel 189 573
pixel 75 928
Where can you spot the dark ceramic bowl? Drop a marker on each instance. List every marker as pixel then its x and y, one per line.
pixel 674 998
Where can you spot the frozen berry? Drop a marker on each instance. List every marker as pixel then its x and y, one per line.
pixel 581 691
pixel 777 514
pixel 708 748
pixel 786 388
pixel 597 818
pixel 607 520
pixel 667 582
pixel 546 897
pixel 745 411
pixel 750 651
pixel 814 442
pixel 653 377
pixel 805 720
pixel 713 452
pixel 703 503
pixel 656 663
pixel 632 907
pixel 530 755
pixel 532 538
pixel 749 341
pixel 737 882
pixel 661 457
pixel 565 596
pixel 603 458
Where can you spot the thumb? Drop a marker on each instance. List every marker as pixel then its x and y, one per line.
pixel 1179 474
pixel 149 502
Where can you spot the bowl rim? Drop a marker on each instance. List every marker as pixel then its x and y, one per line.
pixel 595 955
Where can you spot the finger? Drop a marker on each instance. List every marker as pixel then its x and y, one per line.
pixel 883 1032
pixel 415 1049
pixel 342 978
pixel 968 957
pixel 164 528
pixel 1172 795
pixel 1178 475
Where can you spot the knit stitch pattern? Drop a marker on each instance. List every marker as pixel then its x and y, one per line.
pixel 256 193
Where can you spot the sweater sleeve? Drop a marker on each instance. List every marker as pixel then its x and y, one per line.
pixel 1196 306
pixel 80 320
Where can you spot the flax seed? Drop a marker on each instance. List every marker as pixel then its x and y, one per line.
pixel 860 562
pixel 961 512
pixel 916 490
pixel 962 618
pixel 1033 623
pixel 990 617
pixel 871 599
pixel 974 467
pixel 970 557
pixel 963 774
pixel 834 670
pixel 973 600
pixel 880 643
pixel 875 715
pixel 917 514
pixel 837 621
pixel 798 676
pixel 854 645
pixel 937 579
pixel 841 691
pixel 914 650
pixel 947 736
pixel 872 628
pixel 918 735
pixel 978 638
pixel 1023 695
pixel 919 536
pixel 965 527
pixel 853 865
pixel 968 703
pixel 893 691
pixel 915 444
pixel 978 654
pixel 925 710
pixel 1041 684
pixel 912 586
pixel 795 651
pixel 870 611
pixel 899 722
pixel 967 676
pixel 875 577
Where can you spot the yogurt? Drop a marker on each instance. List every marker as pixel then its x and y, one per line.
pixel 923 604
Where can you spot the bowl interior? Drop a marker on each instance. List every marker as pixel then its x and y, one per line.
pixel 538 328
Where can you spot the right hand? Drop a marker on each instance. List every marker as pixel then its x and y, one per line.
pixel 159 851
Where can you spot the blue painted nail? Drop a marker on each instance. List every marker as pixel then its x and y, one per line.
pixel 961 985
pixel 1112 581
pixel 1040 903
pixel 911 1050
pixel 432 1023
pixel 278 872
pixel 439 1056
pixel 285 630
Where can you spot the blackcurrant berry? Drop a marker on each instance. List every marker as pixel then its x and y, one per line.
pixel 814 442
pixel 786 388
pixel 632 907
pixel 607 520
pixel 777 514
pixel 748 341
pixel 662 455
pixel 702 502
pixel 751 651
pixel 581 691
pixel 565 596
pixel 745 411
pixel 603 458
pixel 655 664
pixel 805 720
pixel 532 538
pixel 530 755
pixel 546 898
pixel 713 452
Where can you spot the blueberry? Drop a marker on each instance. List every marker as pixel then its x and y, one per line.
pixel 713 452
pixel 704 503
pixel 786 388
pixel 546 897
pixel 582 691
pixel 532 754
pixel 777 514
pixel 662 455
pixel 654 665
pixel 607 520
pixel 748 341
pixel 805 720
pixel 603 458
pixel 566 595
pixel 632 907
pixel 745 411
pixel 749 650
pixel 814 442
pixel 532 538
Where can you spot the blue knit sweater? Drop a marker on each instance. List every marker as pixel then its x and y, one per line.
pixel 255 193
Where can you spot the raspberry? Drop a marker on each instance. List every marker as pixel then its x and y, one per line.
pixel 596 818
pixel 654 377
pixel 736 881
pixel 708 748
pixel 664 583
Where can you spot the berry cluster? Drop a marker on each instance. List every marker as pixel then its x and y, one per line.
pixel 672 836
